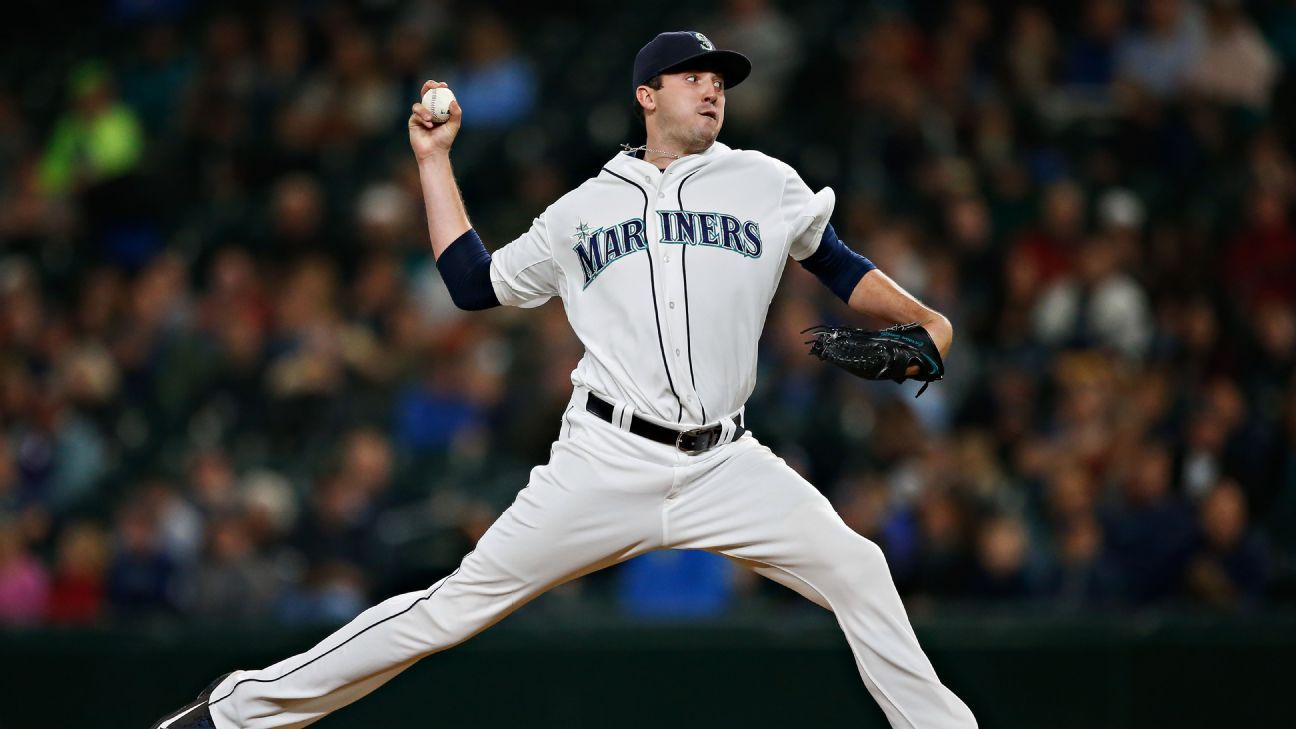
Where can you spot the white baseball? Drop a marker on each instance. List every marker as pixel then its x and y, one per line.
pixel 438 101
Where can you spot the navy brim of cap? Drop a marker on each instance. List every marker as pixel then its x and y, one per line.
pixel 733 65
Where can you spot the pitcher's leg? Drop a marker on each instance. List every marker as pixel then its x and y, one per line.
pixel 754 507
pixel 567 523
pixel 784 578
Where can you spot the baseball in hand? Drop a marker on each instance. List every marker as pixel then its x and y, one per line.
pixel 438 101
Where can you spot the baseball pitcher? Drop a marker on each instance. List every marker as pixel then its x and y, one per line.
pixel 665 260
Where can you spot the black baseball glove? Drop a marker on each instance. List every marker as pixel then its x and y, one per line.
pixel 880 355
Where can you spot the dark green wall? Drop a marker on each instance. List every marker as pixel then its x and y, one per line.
pixel 539 671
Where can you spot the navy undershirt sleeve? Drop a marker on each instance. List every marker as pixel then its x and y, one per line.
pixel 465 268
pixel 837 266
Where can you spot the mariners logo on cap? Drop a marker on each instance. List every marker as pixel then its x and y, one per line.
pixel 706 44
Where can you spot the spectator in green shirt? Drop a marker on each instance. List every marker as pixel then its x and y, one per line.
pixel 99 138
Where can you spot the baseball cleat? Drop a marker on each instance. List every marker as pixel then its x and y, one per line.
pixel 193 715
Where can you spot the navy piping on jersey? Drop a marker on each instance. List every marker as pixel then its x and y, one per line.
pixel 348 640
pixel 652 282
pixel 688 325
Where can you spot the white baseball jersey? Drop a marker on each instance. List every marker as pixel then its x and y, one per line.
pixel 667 276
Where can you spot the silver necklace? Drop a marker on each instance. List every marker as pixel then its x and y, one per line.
pixel 645 148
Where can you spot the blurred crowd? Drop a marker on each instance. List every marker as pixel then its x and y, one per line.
pixel 233 386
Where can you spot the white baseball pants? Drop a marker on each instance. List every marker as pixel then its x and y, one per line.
pixel 605 496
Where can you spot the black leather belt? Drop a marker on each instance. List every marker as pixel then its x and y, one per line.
pixel 692 442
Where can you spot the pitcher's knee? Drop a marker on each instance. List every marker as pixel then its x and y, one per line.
pixel 468 601
pixel 861 560
pixel 868 553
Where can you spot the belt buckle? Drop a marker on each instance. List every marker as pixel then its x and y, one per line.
pixel 705 437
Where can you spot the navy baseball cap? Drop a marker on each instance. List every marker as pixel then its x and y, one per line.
pixel 684 49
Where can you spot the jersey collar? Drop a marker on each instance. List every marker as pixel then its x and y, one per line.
pixel 626 162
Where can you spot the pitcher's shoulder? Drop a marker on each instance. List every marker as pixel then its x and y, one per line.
pixel 755 161
pixel 583 194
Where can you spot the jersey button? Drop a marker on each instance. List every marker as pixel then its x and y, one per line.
pixel 672 304
pixel 665 259
pixel 677 352
pixel 661 194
